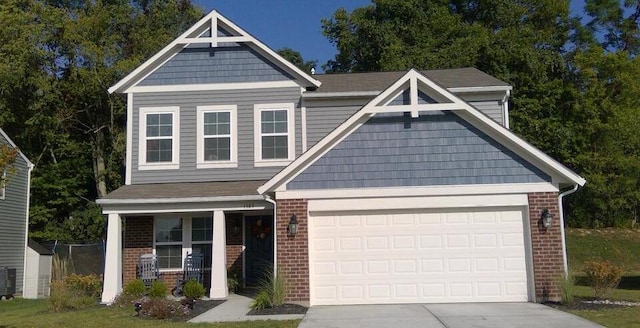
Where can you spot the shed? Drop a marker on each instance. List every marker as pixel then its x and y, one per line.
pixel 38 271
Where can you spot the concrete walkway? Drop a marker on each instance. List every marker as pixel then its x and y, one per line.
pixel 235 309
pixel 466 315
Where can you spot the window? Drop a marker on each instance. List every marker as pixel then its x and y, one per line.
pixel 217 136
pixel 159 138
pixel 274 134
pixel 175 237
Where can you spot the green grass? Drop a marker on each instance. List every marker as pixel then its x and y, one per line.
pixel 620 247
pixel 35 313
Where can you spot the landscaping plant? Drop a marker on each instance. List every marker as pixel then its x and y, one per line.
pixel 602 276
pixel 158 289
pixel 272 291
pixel 193 290
pixel 75 292
pixel 567 285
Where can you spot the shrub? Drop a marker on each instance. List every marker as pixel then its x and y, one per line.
pixel 64 298
pixel 59 268
pixel 567 286
pixel 158 289
pixel 602 276
pixel 234 282
pixel 193 290
pixel 162 308
pixel 134 288
pixel 85 285
pixel 272 291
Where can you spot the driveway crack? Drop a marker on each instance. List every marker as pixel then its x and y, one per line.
pixel 437 318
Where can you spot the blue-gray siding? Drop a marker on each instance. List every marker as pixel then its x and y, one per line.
pixel 405 98
pixel 13 220
pixel 394 150
pixel 227 63
pixel 188 101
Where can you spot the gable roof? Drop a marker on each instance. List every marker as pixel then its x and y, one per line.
pixel 457 78
pixel 413 81
pixel 193 36
pixel 6 137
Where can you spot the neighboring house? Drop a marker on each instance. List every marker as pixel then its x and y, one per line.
pixel 14 214
pixel 399 187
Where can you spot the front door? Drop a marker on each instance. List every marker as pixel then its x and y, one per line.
pixel 259 247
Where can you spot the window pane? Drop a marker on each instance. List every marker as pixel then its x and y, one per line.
pixel 159 150
pixel 204 249
pixel 280 116
pixel 217 149
pixel 202 229
pixel 224 128
pixel 153 119
pixel 169 256
pixel 275 147
pixel 166 130
pixel 267 127
pixel 224 117
pixel 280 127
pixel 168 229
pixel 153 131
pixel 266 115
pixel 159 125
pixel 210 118
pixel 166 119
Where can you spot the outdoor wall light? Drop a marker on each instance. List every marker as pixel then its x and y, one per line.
pixel 546 218
pixel 292 228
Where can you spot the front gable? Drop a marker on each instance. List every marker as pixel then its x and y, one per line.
pixel 416 133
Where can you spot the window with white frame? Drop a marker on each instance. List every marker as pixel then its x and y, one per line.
pixel 217 136
pixel 159 144
pixel 274 127
pixel 174 237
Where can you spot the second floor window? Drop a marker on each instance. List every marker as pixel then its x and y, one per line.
pixel 159 138
pixel 217 136
pixel 274 142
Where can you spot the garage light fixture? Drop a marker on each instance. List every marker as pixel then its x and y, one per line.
pixel 292 228
pixel 546 218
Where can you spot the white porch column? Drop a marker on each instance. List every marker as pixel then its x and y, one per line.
pixel 219 258
pixel 113 260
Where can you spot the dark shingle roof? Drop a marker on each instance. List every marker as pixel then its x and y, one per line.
pixel 378 81
pixel 38 248
pixel 186 190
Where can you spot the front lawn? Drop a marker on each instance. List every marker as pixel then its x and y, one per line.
pixel 35 313
pixel 622 248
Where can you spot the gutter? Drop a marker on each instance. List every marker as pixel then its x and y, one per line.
pixel 562 232
pixel 275 234
pixel 353 94
pixel 177 200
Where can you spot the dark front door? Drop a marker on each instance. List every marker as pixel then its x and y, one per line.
pixel 259 243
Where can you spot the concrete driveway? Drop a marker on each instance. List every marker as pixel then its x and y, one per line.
pixel 467 315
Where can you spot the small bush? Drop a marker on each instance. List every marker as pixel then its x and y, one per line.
pixel 567 286
pixel 134 288
pixel 63 298
pixel 262 301
pixel 162 308
pixel 158 289
pixel 193 290
pixel 85 285
pixel 234 282
pixel 602 276
pixel 272 291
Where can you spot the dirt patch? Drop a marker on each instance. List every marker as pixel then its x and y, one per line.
pixel 282 309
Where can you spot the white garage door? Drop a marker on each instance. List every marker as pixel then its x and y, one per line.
pixel 426 257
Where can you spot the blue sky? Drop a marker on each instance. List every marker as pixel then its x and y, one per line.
pixel 294 23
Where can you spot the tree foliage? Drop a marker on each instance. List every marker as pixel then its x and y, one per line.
pixel 295 58
pixel 576 89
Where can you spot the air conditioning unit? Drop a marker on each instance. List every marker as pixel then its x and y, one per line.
pixel 7 282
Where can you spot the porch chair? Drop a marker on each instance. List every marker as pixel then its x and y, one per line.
pixel 193 270
pixel 147 269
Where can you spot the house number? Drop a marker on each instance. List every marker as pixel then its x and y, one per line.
pixel 248 205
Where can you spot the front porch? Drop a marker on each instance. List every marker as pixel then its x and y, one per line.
pixel 235 235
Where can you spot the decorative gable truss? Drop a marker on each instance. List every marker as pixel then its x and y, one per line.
pixel 213 30
pixel 414 93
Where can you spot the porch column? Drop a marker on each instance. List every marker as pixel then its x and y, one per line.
pixel 113 260
pixel 219 258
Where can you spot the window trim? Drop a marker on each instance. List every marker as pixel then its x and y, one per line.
pixel 172 243
pixel 257 134
pixel 142 140
pixel 201 163
pixel 3 184
pixel 187 243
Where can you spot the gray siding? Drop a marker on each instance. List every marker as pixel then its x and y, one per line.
pixel 224 64
pixel 438 148
pixel 405 98
pixel 13 211
pixel 188 101
pixel 322 120
pixel 493 109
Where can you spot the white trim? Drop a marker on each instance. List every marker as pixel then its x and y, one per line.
pixel 480 89
pixel 142 138
pixel 113 260
pixel 201 163
pixel 433 202
pixel 505 108
pixel 185 38
pixel 516 144
pixel 414 109
pixel 183 210
pixel 219 287
pixel 215 40
pixel 257 134
pixel 180 243
pixel 303 127
pixel 213 87
pixel 129 151
pixel 26 228
pixel 528 253
pixel 178 200
pixel 313 94
pixel 451 190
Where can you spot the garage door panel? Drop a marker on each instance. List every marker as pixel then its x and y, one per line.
pixel 448 256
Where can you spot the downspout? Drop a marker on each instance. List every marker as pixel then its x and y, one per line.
pixel 564 246
pixel 30 167
pixel 275 234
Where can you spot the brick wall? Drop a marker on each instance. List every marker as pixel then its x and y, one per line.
pixel 293 251
pixel 548 264
pixel 233 224
pixel 138 240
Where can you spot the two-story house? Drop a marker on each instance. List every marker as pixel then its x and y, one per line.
pixel 14 215
pixel 389 187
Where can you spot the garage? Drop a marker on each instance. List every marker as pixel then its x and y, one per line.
pixel 430 255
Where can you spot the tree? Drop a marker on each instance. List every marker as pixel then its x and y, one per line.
pixel 295 58
pixel 8 157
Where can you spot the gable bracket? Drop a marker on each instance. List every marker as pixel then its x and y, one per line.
pixel 413 108
pixel 413 96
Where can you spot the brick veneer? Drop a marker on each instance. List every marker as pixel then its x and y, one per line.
pixel 293 251
pixel 233 225
pixel 546 244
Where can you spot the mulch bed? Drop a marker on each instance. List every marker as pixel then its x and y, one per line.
pixel 201 307
pixel 282 309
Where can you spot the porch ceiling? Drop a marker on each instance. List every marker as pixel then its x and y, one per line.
pixel 186 190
